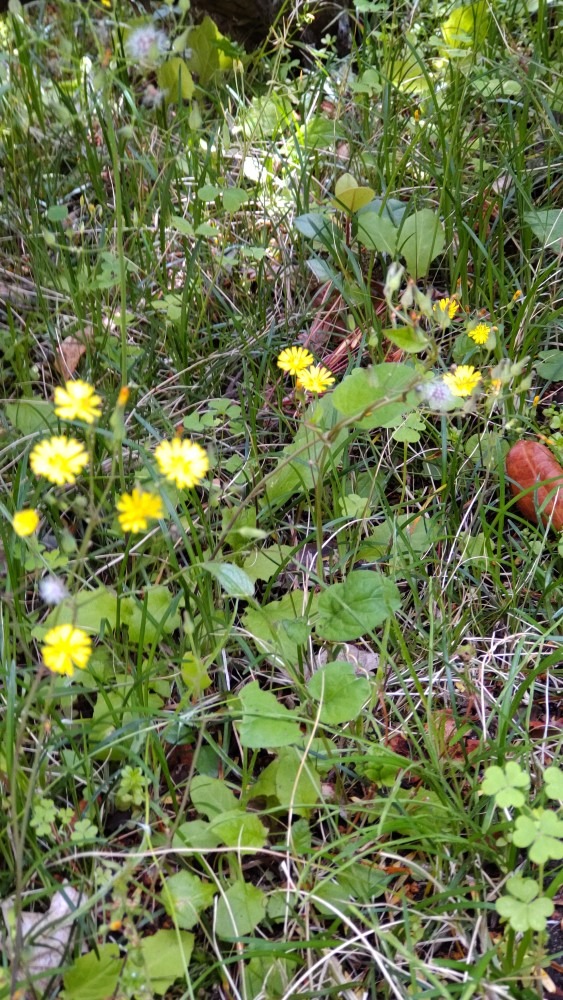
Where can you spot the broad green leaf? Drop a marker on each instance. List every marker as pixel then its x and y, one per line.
pixel 266 625
pixel 298 783
pixel 358 883
pixel 361 603
pixel 240 910
pixel 184 896
pixel 267 116
pixel 547 225
pixel 409 429
pixel 207 57
pixel 408 75
pixel 88 611
pixel 263 564
pixel 410 339
pixel 314 226
pixel 466 27
pixel 309 455
pixel 31 415
pixel 57 213
pixel 553 778
pixel 175 79
pixel 342 695
pixel 269 978
pixel 194 674
pixel 507 784
pixel 487 450
pixel 93 976
pixel 542 834
pixel 319 132
pixel 369 391
pixel 211 797
pixel 208 192
pixel 234 581
pixel 551 365
pixel 522 907
pixel 196 834
pixel 265 722
pixel 377 232
pixel 156 615
pixel 240 830
pixel 349 195
pixel 420 241
pixel 234 198
pixel 166 955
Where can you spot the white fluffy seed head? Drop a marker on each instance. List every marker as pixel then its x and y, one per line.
pixel 52 589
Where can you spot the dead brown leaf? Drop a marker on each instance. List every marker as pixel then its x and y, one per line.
pixel 69 353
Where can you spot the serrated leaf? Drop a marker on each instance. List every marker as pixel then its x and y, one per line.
pixel 234 581
pixel 361 603
pixel 240 910
pixel 342 695
pixel 265 722
pixel 184 896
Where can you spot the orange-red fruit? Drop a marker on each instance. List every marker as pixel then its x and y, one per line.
pixel 528 463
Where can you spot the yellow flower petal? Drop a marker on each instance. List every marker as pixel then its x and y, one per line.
pixel 65 648
pixel 58 459
pixel 182 462
pixel 316 379
pixel 137 508
pixel 25 522
pixel 294 360
pixel 463 381
pixel 77 401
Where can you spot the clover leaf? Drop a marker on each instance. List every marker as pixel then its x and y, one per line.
pixel 505 784
pixel 553 777
pixel 524 909
pixel 542 834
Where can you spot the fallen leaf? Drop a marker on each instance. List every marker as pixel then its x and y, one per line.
pixel 69 353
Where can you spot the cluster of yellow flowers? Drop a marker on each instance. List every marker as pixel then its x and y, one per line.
pixel 60 459
pixel 299 362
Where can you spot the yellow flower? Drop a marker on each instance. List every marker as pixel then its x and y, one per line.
pixel 58 459
pixel 463 381
pixel 136 509
pixel 182 461
pixel 445 311
pixel 65 648
pixel 24 522
pixel 517 295
pixel 316 379
pixel 295 360
pixel 496 385
pixel 479 333
pixel 77 401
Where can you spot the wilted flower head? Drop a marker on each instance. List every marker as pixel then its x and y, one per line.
pixel 437 395
pixel 146 45
pixel 52 589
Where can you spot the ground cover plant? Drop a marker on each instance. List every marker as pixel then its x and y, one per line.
pixel 281 657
